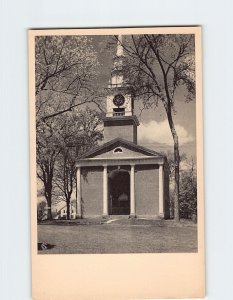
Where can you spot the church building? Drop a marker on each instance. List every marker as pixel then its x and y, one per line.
pixel 121 177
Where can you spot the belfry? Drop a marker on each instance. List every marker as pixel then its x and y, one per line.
pixel 120 120
pixel 121 177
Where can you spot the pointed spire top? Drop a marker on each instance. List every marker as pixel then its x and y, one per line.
pixel 119 46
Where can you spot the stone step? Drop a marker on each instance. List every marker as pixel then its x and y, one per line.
pixel 134 221
pixel 118 216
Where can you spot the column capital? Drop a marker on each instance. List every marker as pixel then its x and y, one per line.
pixel 105 165
pixel 132 164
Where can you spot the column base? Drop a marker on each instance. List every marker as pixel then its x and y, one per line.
pixel 161 215
pixel 132 216
pixel 105 216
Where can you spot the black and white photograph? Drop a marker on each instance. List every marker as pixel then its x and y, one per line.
pixel 116 171
pixel 116 143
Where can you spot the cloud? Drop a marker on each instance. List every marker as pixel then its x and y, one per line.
pixel 159 132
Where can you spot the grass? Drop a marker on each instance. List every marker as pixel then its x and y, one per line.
pixel 118 238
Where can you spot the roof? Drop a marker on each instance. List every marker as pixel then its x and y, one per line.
pixel 61 205
pixel 120 142
pixel 110 119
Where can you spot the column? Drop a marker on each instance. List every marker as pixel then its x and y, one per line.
pixel 132 192
pixel 105 191
pixel 161 192
pixel 78 193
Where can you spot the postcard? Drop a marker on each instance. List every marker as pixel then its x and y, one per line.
pixel 116 162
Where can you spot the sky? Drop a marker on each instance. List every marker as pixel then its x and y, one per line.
pixel 154 120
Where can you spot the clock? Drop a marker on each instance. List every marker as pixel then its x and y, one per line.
pixel 119 100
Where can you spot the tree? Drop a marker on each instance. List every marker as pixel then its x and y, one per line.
pixel 64 178
pixel 171 172
pixel 65 69
pixel 79 132
pixel 188 192
pixel 46 156
pixel 188 186
pixel 41 210
pixel 156 65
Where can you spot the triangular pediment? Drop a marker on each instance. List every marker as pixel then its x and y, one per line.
pixel 120 148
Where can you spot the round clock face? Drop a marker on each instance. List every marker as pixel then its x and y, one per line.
pixel 119 100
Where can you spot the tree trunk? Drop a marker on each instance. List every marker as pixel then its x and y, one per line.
pixel 177 180
pixel 177 167
pixel 68 208
pixel 47 178
pixel 49 205
pixel 49 214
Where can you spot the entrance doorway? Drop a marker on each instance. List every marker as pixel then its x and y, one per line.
pixel 119 192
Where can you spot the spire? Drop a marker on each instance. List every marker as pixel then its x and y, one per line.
pixel 119 46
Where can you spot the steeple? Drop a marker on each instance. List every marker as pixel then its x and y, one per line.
pixel 120 102
pixel 117 78
pixel 119 99
pixel 120 49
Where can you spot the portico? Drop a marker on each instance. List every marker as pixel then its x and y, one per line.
pixel 131 166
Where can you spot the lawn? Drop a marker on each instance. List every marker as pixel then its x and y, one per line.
pixel 108 238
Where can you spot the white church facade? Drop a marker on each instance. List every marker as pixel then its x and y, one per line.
pixel 121 177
